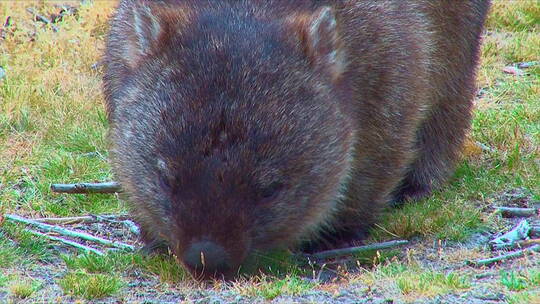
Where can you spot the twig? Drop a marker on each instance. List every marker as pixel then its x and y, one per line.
pixel 510 238
pixel 109 187
pixel 67 232
pixel 67 220
pixel 67 242
pixel 511 255
pixel 529 242
pixel 516 212
pixel 42 18
pixel 354 250
pixel 7 23
pixel 81 219
pixel 65 10
pixel 132 227
pixel 91 219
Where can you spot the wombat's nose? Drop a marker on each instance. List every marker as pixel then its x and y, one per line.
pixel 206 258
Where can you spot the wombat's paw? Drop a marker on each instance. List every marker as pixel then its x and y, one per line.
pixel 329 241
pixel 409 193
pixel 155 247
pixel 152 245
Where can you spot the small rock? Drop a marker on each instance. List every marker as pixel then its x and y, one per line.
pixel 2 73
pixel 485 294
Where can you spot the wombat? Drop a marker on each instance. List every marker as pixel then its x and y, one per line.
pixel 242 126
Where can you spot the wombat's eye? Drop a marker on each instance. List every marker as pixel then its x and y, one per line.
pixel 271 191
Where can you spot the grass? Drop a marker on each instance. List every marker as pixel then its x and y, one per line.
pixel 517 281
pixel 20 247
pixel 90 286
pixel 4 280
pixel 24 288
pixel 270 288
pixel 414 281
pixel 523 298
pixel 53 129
pixel 165 267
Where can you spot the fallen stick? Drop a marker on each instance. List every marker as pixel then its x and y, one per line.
pixel 511 255
pixel 132 227
pixel 516 212
pixel 67 220
pixel 108 187
pixel 42 18
pixel 512 237
pixel 81 219
pixel 67 242
pixel 354 250
pixel 65 10
pixel 91 219
pixel 67 232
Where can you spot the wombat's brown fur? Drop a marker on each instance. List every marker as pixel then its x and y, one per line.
pixel 247 125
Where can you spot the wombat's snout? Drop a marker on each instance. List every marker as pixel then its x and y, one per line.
pixel 207 259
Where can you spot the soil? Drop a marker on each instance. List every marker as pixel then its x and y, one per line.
pixel 334 286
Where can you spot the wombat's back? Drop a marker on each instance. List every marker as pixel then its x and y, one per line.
pixel 246 125
pixel 413 69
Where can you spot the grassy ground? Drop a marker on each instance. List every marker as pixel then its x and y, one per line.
pixel 53 126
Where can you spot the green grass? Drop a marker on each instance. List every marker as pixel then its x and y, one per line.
pixel 523 298
pixel 24 288
pixel 90 286
pixel 4 279
pixel 270 288
pixel 517 281
pixel 165 267
pixel 431 282
pixel 93 263
pixel 20 247
pixel 412 280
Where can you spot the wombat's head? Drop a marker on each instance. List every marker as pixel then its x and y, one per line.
pixel 228 129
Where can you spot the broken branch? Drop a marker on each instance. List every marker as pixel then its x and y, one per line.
pixel 91 219
pixel 511 255
pixel 512 237
pixel 354 250
pixel 67 232
pixel 108 187
pixel 516 212
pixel 67 220
pixel 67 242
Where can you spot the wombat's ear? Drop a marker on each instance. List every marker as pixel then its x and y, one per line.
pixel 321 41
pixel 146 26
pixel 149 23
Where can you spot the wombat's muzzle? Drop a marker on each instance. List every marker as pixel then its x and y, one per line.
pixel 207 259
